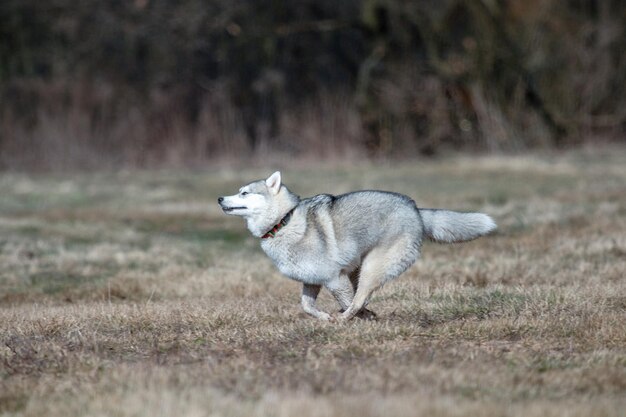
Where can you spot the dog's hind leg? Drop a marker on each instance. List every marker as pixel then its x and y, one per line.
pixel 309 295
pixel 344 288
pixel 382 264
pixel 369 281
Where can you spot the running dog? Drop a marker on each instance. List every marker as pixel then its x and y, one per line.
pixel 351 244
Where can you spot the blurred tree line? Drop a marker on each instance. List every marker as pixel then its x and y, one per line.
pixel 142 82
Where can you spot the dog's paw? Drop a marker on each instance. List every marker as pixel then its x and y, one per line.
pixel 343 317
pixel 325 316
pixel 364 314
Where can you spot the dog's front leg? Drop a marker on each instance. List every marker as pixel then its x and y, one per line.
pixel 309 295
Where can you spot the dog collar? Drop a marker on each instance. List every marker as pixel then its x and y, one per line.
pixel 280 225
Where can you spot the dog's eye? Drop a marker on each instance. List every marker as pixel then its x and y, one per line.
pixel 244 193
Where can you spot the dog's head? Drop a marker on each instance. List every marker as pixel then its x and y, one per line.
pixel 258 199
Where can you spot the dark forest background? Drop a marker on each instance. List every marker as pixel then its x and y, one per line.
pixel 145 83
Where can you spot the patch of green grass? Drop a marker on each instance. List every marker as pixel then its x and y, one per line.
pixel 190 229
pixel 12 403
pixel 52 282
pixel 547 363
pixel 228 237
pixel 478 305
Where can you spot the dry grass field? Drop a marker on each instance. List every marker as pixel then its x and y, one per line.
pixel 131 294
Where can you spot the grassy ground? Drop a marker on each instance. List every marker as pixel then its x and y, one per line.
pixel 131 294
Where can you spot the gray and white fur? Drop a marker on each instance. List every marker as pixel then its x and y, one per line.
pixel 351 244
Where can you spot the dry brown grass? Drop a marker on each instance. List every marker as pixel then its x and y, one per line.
pixel 131 294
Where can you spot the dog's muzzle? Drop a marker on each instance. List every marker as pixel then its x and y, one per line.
pixel 227 209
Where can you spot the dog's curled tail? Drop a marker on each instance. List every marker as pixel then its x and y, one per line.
pixel 446 226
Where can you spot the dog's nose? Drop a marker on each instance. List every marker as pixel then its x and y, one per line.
pixel 219 200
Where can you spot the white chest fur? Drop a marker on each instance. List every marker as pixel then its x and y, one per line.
pixel 302 259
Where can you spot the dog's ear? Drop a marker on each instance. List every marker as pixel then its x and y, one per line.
pixel 273 182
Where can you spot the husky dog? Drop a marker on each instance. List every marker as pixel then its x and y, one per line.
pixel 350 244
